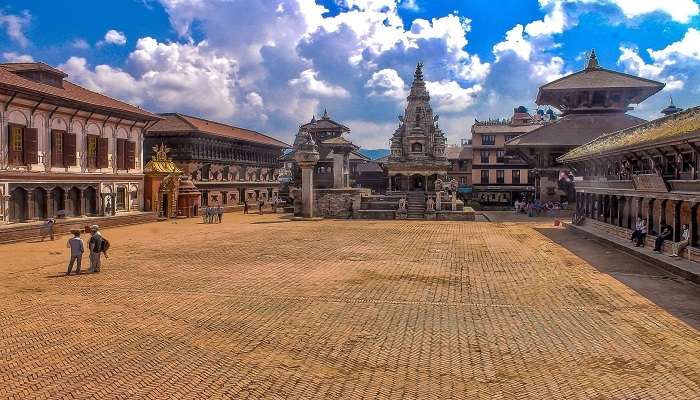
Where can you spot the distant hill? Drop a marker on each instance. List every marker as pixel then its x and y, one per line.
pixel 375 154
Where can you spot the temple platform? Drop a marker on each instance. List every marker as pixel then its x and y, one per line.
pixel 32 230
pixel 686 266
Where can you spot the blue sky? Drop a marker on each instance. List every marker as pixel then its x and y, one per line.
pixel 270 64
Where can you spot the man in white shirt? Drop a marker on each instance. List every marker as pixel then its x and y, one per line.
pixel 683 243
pixel 77 248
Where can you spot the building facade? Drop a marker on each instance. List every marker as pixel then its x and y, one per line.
pixel 460 158
pixel 593 102
pixel 66 151
pixel 649 171
pixel 417 159
pixel 500 177
pixel 225 163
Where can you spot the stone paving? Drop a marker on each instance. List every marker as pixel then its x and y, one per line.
pixel 258 307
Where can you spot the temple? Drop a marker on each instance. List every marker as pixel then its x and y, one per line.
pixel 339 157
pixel 417 158
pixel 593 102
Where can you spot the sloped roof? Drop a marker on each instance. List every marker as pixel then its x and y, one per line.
pixel 175 122
pixel 327 124
pixel 593 78
pixel 338 141
pixel 503 128
pixel 575 129
pixel 667 128
pixel 70 92
pixel 368 167
pixel 459 153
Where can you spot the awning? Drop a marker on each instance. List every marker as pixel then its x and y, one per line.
pixel 464 190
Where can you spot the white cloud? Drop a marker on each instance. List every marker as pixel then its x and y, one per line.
pixel 309 83
pixel 16 57
pixel 387 83
pixel 553 22
pixel 679 10
pixel 166 77
pixel 410 5
pixel 81 44
pixel 114 37
pixel 515 42
pixel 449 96
pixel 15 25
pixel 371 134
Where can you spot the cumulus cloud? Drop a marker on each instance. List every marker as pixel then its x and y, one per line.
pixel 166 77
pixel 387 83
pixel 114 37
pixel 449 96
pixel 81 44
pixel 15 25
pixel 16 57
pixel 677 64
pixel 309 83
pixel 679 10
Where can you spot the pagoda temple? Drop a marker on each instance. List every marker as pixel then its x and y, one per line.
pixel 417 156
pixel 593 102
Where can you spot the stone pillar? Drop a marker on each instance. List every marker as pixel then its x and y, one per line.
pixel 82 203
pixel 650 215
pixel 619 211
pixel 307 157
pixel 338 170
pixel 454 200
pixel 30 204
pixel 438 201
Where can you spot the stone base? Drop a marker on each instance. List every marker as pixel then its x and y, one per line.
pixel 374 214
pixel 307 219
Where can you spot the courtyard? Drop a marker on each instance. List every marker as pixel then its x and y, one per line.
pixel 260 307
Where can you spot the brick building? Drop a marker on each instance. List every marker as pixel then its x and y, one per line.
pixel 499 177
pixel 226 163
pixel 65 150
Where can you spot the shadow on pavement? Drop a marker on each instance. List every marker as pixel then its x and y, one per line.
pixel 674 294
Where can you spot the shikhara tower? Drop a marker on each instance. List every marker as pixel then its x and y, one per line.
pixel 417 156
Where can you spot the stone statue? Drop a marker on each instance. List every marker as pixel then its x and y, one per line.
pixel 198 175
pixel 430 205
pixel 402 204
pixel 453 185
pixel 439 185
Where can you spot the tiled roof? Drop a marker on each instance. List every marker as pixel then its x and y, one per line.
pixel 175 122
pixel 592 78
pixel 370 166
pixel 459 153
pixel 660 130
pixel 502 128
pixel 326 123
pixel 575 129
pixel 33 66
pixel 70 92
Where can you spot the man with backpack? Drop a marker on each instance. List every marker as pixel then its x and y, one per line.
pixel 97 246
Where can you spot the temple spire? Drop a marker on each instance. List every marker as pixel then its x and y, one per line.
pixel 418 75
pixel 592 61
pixel 671 109
pixel 325 114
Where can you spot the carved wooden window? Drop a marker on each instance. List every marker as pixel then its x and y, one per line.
pixel 16 140
pixel 69 149
pixel 92 151
pixel 57 148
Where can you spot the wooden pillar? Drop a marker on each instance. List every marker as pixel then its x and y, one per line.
pixel 693 225
pixel 619 210
pixel 650 215
pixel 676 220
pixel 50 212
pixel 662 215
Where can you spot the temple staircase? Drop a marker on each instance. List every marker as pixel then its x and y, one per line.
pixel 415 205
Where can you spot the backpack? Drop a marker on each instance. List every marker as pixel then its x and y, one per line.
pixel 105 245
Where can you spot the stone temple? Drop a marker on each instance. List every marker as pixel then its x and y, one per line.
pixel 417 158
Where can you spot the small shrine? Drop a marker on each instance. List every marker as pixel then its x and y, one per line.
pixel 168 192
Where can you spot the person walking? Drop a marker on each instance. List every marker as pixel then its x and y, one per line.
pixel 683 243
pixel 245 206
pixel 95 246
pixel 666 233
pixel 261 203
pixel 47 229
pixel 220 212
pixel 77 248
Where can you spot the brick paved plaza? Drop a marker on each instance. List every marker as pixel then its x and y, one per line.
pixel 258 307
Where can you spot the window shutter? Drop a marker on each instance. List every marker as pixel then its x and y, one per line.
pixel 69 149
pixel 31 149
pixel 57 148
pixel 15 145
pixel 121 156
pixel 102 152
pixel 131 155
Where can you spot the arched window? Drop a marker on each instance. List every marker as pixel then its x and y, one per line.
pixel 417 147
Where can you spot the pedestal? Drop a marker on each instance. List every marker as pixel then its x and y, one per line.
pixel 338 170
pixel 307 192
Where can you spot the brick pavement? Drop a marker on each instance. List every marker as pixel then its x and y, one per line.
pixel 260 308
